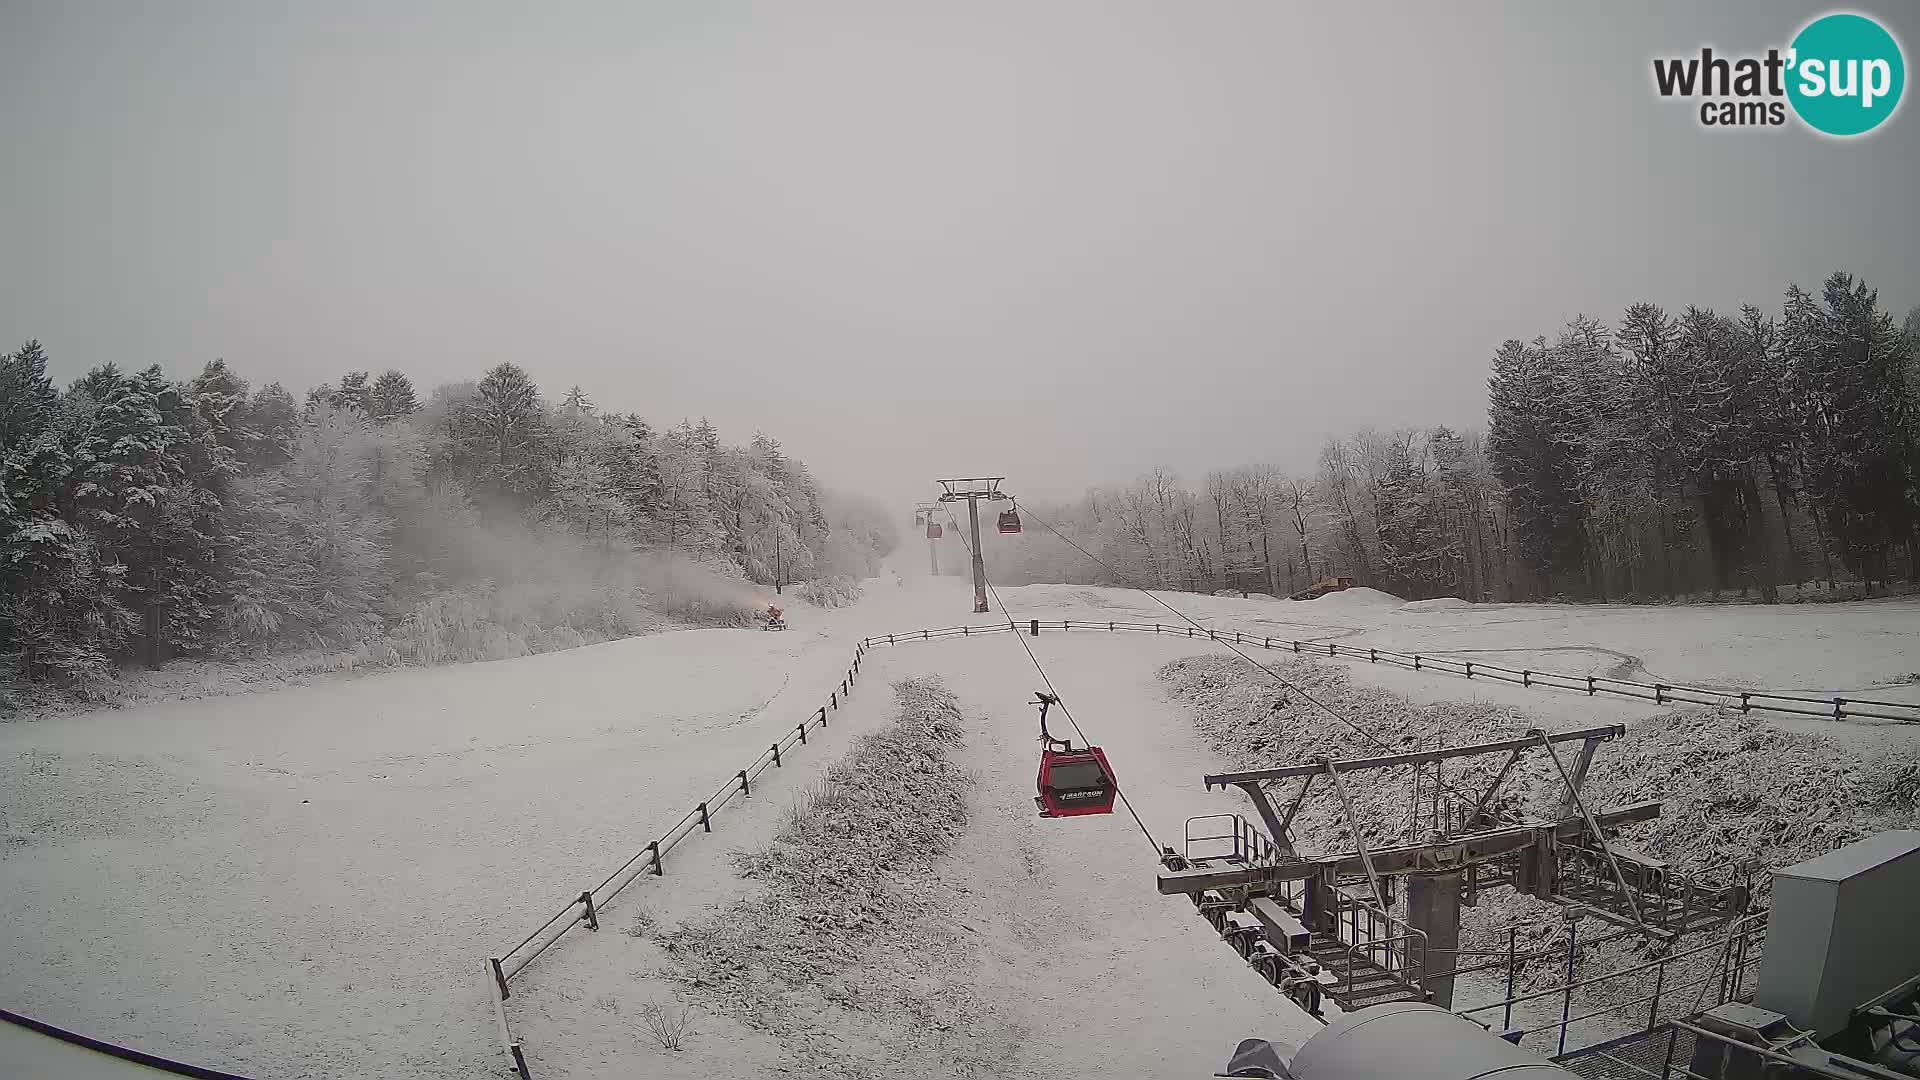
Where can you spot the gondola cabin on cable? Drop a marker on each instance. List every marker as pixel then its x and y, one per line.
pixel 1009 521
pixel 1072 782
pixel 934 532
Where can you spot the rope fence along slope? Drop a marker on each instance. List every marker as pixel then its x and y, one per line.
pixel 584 909
pixel 1746 701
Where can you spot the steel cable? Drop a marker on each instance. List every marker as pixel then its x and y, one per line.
pixel 1037 666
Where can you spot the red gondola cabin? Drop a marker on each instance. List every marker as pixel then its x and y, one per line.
pixel 1075 782
pixel 1009 521
pixel 1071 782
pixel 934 531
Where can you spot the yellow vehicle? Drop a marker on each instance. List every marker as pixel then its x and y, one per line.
pixel 1322 587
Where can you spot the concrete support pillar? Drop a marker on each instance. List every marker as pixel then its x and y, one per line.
pixel 1433 906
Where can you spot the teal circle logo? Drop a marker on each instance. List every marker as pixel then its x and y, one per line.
pixel 1847 74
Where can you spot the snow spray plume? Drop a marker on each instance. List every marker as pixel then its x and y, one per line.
pixel 501 591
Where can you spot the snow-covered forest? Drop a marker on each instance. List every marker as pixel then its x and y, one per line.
pixel 1667 456
pixel 143 518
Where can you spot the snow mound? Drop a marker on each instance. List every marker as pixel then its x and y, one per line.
pixel 1359 597
pixel 1438 603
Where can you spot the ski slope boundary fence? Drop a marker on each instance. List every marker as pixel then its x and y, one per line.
pixel 584 909
pixel 1746 701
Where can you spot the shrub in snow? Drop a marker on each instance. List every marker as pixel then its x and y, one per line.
pixel 840 877
pixel 668 1026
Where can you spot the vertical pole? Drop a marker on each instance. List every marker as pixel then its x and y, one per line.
pixel 1566 1007
pixel 1659 982
pixel 979 565
pixel 499 978
pixel 1513 941
pixel 776 561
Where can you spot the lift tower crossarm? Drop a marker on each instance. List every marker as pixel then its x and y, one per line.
pixel 1454 852
pixel 1422 757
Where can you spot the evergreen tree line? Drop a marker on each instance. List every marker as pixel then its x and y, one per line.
pixel 1663 458
pixel 143 518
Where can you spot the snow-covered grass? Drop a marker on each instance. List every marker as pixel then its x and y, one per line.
pixel 842 879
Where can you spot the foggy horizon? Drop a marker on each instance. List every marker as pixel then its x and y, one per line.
pixel 1061 244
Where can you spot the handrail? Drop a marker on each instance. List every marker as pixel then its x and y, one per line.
pixel 1740 928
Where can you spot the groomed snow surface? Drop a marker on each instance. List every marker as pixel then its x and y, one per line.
pixel 303 883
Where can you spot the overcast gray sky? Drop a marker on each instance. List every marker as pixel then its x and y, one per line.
pixel 1059 241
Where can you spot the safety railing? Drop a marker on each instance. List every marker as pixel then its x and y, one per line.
pixel 1637 998
pixel 1246 843
pixel 1675 1051
pixel 1663 900
pixel 1376 942
pixel 584 909
pixel 1746 701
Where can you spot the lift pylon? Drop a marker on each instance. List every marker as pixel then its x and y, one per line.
pixel 973 490
pixel 923 514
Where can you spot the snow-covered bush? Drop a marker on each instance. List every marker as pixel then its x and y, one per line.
pixel 843 876
pixel 829 592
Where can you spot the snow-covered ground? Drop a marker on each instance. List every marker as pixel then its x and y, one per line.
pixel 302 883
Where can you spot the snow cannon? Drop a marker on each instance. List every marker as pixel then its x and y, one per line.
pixel 1407 1040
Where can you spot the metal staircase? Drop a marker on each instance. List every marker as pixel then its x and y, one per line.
pixel 1357 956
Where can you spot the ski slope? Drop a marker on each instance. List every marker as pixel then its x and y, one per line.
pixel 302 883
